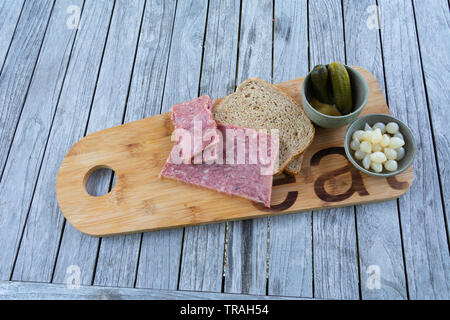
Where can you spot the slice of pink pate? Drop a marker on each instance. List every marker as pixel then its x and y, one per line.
pixel 196 120
pixel 247 174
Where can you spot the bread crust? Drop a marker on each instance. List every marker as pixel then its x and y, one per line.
pixel 297 171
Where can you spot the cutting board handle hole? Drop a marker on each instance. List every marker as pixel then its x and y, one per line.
pixel 100 180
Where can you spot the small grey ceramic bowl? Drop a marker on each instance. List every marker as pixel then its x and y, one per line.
pixel 360 94
pixel 371 119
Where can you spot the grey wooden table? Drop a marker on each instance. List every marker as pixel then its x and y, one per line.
pixel 132 59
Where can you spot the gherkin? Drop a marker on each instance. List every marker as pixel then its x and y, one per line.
pixel 342 90
pixel 321 84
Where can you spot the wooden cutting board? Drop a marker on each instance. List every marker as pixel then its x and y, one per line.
pixel 140 201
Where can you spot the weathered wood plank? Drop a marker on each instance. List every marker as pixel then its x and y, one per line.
pixel 111 93
pixel 421 212
pixel 9 17
pixel 334 254
pixel 28 146
pixel 378 227
pixel 362 40
pixel 202 260
pixel 380 251
pixel 290 40
pixel 147 84
pixel 334 234
pixel 246 266
pixel 18 69
pixel 435 47
pixel 117 261
pixel 77 250
pixel 160 259
pixel 186 52
pixel 290 251
pixel 219 61
pixel 113 268
pixel 290 260
pixel 203 248
pixel 160 252
pixel 255 49
pixel 11 290
pixel 37 254
pixel 246 257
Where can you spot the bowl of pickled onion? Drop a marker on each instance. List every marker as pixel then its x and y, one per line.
pixel 380 145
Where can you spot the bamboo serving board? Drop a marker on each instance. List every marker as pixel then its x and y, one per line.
pixel 140 201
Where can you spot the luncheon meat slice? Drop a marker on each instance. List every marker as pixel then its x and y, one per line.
pixel 196 120
pixel 244 166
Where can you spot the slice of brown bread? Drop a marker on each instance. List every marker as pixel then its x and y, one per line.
pixel 295 166
pixel 259 105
